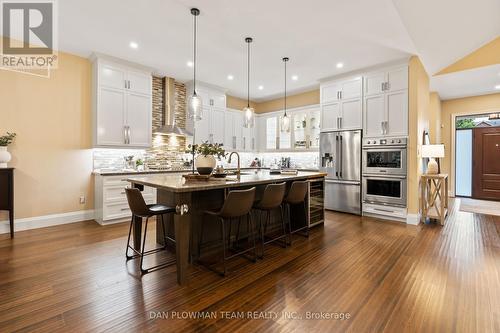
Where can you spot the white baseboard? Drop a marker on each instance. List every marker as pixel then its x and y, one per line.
pixel 47 220
pixel 413 219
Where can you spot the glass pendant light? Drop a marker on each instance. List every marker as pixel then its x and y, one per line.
pixel 285 119
pixel 249 113
pixel 195 103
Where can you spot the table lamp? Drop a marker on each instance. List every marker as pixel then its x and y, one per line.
pixel 432 152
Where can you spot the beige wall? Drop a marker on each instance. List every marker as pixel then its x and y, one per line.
pixel 293 101
pixel 435 118
pixel 486 55
pixel 238 103
pixel 462 106
pixel 51 154
pixel 419 120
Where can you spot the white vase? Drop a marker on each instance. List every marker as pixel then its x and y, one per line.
pixel 5 157
pixel 205 164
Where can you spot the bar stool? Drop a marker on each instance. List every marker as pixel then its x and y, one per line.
pixel 140 209
pixel 237 204
pixel 297 195
pixel 271 200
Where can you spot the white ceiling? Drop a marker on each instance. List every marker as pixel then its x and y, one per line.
pixel 316 35
pixel 472 82
pixel 445 31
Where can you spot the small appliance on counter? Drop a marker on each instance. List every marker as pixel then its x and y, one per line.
pixel 129 162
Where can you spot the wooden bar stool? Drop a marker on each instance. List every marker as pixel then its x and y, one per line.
pixel 297 196
pixel 139 208
pixel 271 199
pixel 237 204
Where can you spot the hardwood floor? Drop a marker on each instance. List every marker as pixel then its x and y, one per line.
pixel 385 276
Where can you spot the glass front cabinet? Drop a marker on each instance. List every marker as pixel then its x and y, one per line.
pixel 303 135
pixel 306 129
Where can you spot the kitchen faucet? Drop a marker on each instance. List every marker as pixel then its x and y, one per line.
pixel 229 161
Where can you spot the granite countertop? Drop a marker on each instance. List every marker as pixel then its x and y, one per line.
pixel 176 183
pixel 149 172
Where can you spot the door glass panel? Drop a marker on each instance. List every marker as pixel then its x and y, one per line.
pixel 314 128
pixel 383 187
pixel 271 132
pixel 383 159
pixel 299 130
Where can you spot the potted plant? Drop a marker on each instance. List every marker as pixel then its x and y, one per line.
pixel 5 156
pixel 205 161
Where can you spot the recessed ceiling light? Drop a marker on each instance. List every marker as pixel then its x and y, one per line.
pixel 295 77
pixel 497 87
pixel 261 87
pixel 230 77
pixel 340 65
pixel 133 45
pixel 190 64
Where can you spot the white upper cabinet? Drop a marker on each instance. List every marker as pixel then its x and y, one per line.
pixel 139 120
pixel 397 79
pixel 374 83
pixel 397 113
pixel 330 114
pixel 122 104
pixel 341 105
pixel 112 77
pixel 139 82
pixel 375 115
pixel 386 103
pixel 217 125
pixel 330 92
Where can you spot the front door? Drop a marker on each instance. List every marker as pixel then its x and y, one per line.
pixel 486 163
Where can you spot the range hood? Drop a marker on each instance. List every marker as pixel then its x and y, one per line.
pixel 168 124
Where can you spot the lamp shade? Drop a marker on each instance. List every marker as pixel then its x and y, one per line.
pixel 433 151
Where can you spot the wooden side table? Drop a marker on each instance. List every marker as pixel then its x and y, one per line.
pixel 434 197
pixel 7 195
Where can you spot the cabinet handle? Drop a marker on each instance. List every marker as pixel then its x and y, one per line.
pixel 124 209
pixel 382 127
pixel 125 134
pixel 244 143
pixel 340 122
pixel 277 143
pixel 234 142
pixel 128 134
pixel 129 84
pixel 382 85
pixel 386 127
pixel 341 94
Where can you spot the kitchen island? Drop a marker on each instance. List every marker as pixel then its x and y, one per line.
pixel 191 198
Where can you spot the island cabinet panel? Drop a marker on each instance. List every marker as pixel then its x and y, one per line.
pixel 7 195
pixel 111 204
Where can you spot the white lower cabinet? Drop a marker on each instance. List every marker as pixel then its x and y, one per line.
pixel 111 204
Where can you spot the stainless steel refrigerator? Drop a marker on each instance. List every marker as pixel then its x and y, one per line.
pixel 340 158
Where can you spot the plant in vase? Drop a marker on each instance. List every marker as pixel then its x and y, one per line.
pixel 5 156
pixel 206 153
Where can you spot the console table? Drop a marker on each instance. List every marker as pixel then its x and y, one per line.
pixel 434 197
pixel 7 195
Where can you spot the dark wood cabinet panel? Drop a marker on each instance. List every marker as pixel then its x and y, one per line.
pixel 7 195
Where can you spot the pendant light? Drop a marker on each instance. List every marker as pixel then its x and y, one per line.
pixel 249 113
pixel 195 103
pixel 285 120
